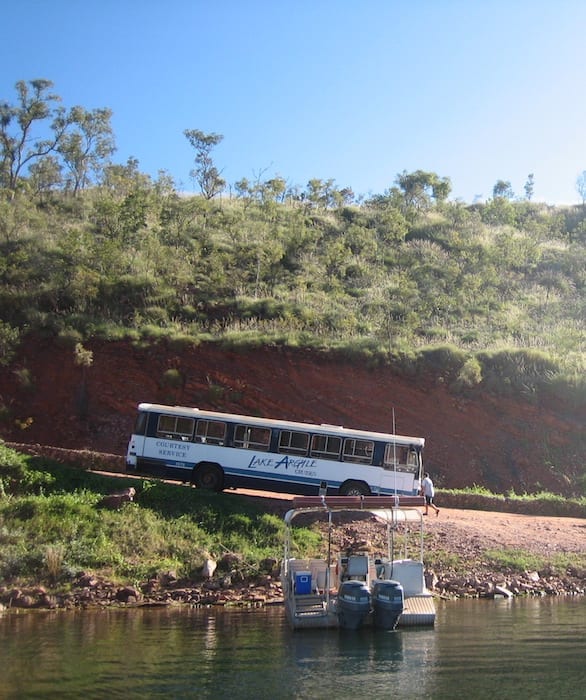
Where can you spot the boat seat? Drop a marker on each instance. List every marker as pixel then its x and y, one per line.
pixel 318 569
pixel 357 567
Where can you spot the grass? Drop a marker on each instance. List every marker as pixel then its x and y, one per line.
pixel 514 560
pixel 51 526
pixel 539 503
pixel 520 561
pixel 440 559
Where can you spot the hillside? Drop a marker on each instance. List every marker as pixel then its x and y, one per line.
pixel 477 439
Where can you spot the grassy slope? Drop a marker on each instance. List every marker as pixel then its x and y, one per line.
pixel 51 526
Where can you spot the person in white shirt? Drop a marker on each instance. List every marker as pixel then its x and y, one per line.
pixel 428 491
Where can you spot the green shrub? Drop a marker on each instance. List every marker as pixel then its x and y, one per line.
pixel 470 375
pixel 154 333
pixel 182 341
pixel 512 371
pixel 16 476
pixel 9 341
pixel 25 378
pixel 172 378
pixel 443 360
pixel 157 314
pixel 69 338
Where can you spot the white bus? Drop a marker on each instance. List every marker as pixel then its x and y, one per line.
pixel 221 450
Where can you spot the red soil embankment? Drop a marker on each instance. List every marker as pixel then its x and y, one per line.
pixel 479 439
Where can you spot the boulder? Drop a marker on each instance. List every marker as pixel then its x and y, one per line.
pixel 115 500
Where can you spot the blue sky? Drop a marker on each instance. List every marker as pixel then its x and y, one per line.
pixel 352 90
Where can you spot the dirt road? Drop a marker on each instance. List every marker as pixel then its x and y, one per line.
pixel 474 531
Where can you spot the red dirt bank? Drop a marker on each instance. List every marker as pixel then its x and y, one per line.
pixel 480 439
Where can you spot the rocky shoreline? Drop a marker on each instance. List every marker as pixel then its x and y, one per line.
pixel 89 591
pixel 530 583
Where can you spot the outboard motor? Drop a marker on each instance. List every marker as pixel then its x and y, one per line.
pixel 353 604
pixel 387 603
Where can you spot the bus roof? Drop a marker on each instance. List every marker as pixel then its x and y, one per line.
pixel 285 424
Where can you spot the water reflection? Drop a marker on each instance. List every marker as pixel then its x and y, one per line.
pixel 480 649
pixel 346 662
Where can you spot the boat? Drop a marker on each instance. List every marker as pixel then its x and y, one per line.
pixel 351 590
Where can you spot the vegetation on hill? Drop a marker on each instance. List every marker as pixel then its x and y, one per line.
pixel 488 295
pixel 491 292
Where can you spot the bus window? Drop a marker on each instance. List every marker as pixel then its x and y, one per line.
pixel 293 443
pixel 141 424
pixel 175 427
pixel 401 457
pixel 212 432
pixel 412 458
pixel 358 451
pixel 326 446
pixel 252 438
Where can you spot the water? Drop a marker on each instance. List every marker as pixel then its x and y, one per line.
pixel 478 649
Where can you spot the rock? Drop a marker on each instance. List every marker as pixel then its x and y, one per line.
pixel 168 578
pixel 115 500
pixel 24 601
pixel 14 594
pixel 128 594
pixel 270 566
pixel 86 580
pixel 150 586
pixel 502 591
pixel 48 601
pixel 209 566
pixel 230 561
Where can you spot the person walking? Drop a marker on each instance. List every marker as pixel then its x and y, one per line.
pixel 428 491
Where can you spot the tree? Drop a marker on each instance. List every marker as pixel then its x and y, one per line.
pixel 243 188
pixel 18 145
pixel 420 188
pixel 503 190
pixel 207 176
pixel 581 186
pixel 274 189
pixel 318 192
pixel 45 175
pixel 121 180
pixel 323 194
pixel 86 148
pixel 529 185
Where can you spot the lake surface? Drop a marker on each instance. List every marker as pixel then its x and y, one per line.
pixel 478 649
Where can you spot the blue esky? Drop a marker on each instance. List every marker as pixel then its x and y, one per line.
pixel 356 91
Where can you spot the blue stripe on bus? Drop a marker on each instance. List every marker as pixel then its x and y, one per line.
pixel 307 481
pixel 246 478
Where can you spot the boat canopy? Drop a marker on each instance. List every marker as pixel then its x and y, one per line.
pixel 389 516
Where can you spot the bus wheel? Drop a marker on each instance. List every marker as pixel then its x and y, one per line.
pixel 210 477
pixel 354 488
